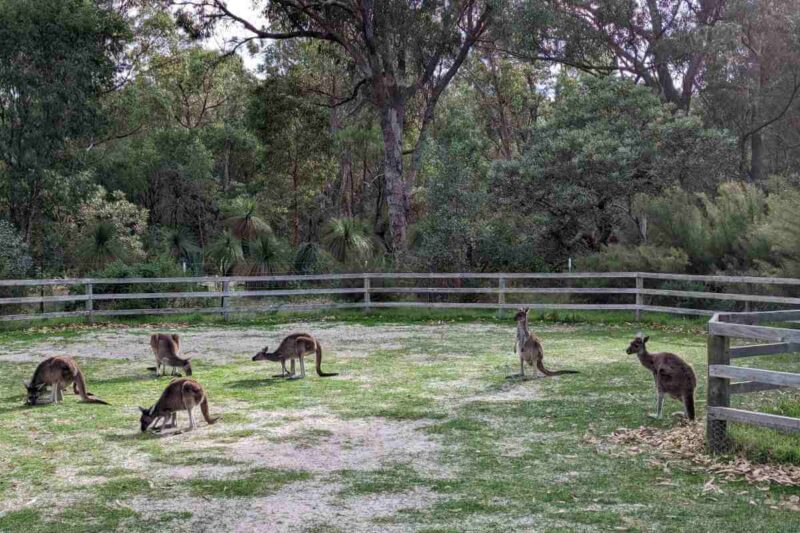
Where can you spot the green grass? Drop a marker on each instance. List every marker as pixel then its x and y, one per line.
pixel 511 455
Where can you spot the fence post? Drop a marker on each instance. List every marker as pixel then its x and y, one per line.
pixel 89 303
pixel 501 296
pixel 226 285
pixel 718 394
pixel 367 298
pixel 639 296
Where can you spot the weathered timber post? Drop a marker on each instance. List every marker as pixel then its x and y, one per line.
pixel 501 296
pixel 367 298
pixel 639 296
pixel 226 285
pixel 89 303
pixel 718 394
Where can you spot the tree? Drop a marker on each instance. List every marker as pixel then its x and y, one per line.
pixel 752 85
pixel 226 253
pixel 348 240
pixel 67 49
pixel 402 50
pixel 604 142
pixel 664 44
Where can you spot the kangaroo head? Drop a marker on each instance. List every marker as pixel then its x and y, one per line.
pixel 33 392
pixel 146 419
pixel 187 366
pixel 637 345
pixel 263 355
pixel 522 314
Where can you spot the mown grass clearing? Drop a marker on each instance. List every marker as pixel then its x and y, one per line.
pixel 421 431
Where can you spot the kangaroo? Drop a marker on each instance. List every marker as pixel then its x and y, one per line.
pixel 295 346
pixel 529 349
pixel 58 372
pixel 672 375
pixel 180 394
pixel 166 349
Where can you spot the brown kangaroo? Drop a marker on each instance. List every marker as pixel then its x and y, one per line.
pixel 180 394
pixel 166 349
pixel 58 372
pixel 672 375
pixel 295 346
pixel 529 348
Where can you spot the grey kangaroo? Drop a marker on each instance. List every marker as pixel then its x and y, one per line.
pixel 167 348
pixel 58 372
pixel 672 375
pixel 180 394
pixel 529 349
pixel 295 346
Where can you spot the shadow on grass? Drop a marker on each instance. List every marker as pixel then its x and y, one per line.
pixel 262 382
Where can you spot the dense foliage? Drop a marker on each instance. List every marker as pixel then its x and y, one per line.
pixel 474 135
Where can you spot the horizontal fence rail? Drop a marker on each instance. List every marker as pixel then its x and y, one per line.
pixel 722 328
pixel 618 291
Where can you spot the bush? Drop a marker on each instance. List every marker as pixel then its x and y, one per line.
pixel 15 261
pixel 161 267
pixel 643 258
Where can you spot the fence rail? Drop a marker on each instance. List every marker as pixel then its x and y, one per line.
pixel 721 329
pixel 385 290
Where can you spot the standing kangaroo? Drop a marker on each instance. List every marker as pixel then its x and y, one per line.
pixel 529 349
pixel 59 372
pixel 180 394
pixel 166 349
pixel 671 373
pixel 295 346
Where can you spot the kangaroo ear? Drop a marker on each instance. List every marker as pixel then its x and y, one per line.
pixel 646 339
pixel 27 384
pixel 143 410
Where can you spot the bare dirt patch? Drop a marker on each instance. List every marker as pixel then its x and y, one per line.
pixel 316 441
pixel 295 507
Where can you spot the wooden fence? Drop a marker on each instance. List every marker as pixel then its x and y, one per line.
pixel 721 329
pixel 627 291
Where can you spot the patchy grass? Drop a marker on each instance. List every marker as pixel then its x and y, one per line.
pixel 420 431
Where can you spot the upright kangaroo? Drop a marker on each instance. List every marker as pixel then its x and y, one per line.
pixel 180 394
pixel 166 349
pixel 671 373
pixel 529 348
pixel 295 346
pixel 58 372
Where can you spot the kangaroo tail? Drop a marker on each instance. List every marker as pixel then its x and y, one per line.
pixel 688 401
pixel 204 410
pixel 319 363
pixel 79 385
pixel 543 370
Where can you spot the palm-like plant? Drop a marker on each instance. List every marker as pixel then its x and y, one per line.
pixel 347 239
pixel 226 252
pixel 243 220
pixel 266 256
pixel 306 258
pixel 181 242
pixel 101 245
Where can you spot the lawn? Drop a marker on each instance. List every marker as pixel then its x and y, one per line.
pixel 420 431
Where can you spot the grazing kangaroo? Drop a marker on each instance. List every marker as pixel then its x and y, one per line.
pixel 529 349
pixel 180 394
pixel 166 349
pixel 295 346
pixel 58 372
pixel 672 375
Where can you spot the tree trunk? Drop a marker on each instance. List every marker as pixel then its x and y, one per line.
pixel 295 208
pixel 756 157
pixel 392 118
pixel 226 168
